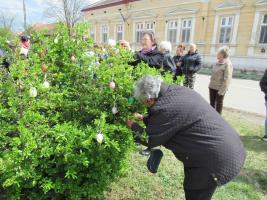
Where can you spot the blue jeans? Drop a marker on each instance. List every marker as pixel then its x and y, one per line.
pixel 266 120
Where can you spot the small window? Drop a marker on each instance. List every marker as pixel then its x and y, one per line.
pixel 172 31
pixel 92 32
pixel 186 30
pixel 226 29
pixel 263 31
pixel 139 31
pixel 119 32
pixel 104 33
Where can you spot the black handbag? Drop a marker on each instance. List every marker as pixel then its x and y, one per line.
pixel 154 160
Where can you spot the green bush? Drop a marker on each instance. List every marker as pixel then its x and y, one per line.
pixel 52 108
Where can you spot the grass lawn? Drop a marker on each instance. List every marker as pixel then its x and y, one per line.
pixel 251 184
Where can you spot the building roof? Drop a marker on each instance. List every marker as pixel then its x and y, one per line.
pixel 41 26
pixel 106 4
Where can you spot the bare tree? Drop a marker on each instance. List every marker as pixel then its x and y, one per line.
pixel 68 11
pixel 6 21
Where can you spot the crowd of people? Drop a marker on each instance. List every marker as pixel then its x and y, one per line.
pixel 187 64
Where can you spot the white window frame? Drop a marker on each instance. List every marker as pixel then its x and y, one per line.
pixel 119 29
pixel 263 25
pixel 141 27
pixel 227 22
pixel 187 29
pixel 172 31
pixel 104 30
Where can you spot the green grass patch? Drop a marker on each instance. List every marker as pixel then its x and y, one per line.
pixel 167 184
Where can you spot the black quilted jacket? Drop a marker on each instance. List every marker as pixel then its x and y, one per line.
pixel 191 63
pixel 153 58
pixel 182 121
pixel 263 84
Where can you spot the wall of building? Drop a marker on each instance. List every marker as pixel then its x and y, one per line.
pixel 206 15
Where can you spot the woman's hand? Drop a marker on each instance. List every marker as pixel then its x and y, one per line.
pixel 125 44
pixel 138 116
pixel 130 123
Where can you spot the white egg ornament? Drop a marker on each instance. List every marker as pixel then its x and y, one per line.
pixel 46 84
pixel 33 92
pixel 73 58
pixel 55 40
pixel 112 85
pixel 99 138
pixel 114 110
pixel 111 42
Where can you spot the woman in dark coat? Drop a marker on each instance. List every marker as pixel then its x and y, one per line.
pixel 165 48
pixel 263 85
pixel 183 122
pixel 149 53
pixel 177 59
pixel 191 63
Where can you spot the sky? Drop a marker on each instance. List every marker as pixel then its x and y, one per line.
pixel 35 10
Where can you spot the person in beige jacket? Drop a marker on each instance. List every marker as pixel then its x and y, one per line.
pixel 220 79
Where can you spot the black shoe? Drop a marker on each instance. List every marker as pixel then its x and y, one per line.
pixel 145 152
pixel 154 160
pixel 264 138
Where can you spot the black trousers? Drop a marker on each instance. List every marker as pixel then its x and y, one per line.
pixel 198 184
pixel 190 80
pixel 203 194
pixel 216 100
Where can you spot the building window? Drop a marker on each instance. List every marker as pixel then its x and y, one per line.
pixel 226 29
pixel 139 31
pixel 92 32
pixel 104 33
pixel 150 26
pixel 186 30
pixel 263 31
pixel 141 28
pixel 172 31
pixel 119 32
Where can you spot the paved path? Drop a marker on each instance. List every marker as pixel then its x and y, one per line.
pixel 243 95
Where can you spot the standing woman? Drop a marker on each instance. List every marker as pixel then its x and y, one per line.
pixel 190 65
pixel 165 48
pixel 220 79
pixel 149 53
pixel 177 59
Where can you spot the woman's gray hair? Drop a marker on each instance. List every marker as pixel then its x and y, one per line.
pixel 148 87
pixel 166 46
pixel 224 51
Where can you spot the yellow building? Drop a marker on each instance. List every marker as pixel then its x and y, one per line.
pixel 239 24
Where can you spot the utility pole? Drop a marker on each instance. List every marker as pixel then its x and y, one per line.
pixel 24 12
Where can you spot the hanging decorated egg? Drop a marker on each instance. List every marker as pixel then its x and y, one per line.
pixel 44 68
pixel 46 84
pixel 33 92
pixel 111 42
pixel 114 110
pixel 73 58
pixel 99 138
pixel 55 40
pixel 112 85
